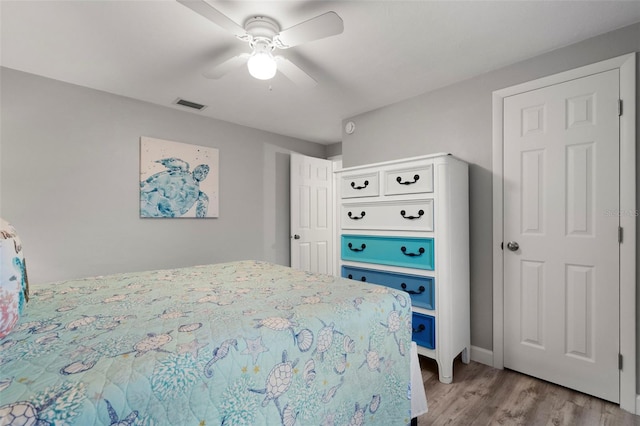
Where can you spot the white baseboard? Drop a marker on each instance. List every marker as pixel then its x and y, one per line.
pixel 637 405
pixel 481 355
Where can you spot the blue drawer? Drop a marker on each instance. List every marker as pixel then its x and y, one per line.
pixel 424 330
pixel 396 251
pixel 421 289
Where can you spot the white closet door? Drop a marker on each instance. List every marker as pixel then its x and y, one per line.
pixel 561 196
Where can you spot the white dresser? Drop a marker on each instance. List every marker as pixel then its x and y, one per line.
pixel 405 224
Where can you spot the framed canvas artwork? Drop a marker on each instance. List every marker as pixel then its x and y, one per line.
pixel 177 179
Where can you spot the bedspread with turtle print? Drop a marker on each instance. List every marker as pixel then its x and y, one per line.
pixel 239 343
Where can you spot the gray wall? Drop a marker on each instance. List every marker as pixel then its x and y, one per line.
pixel 457 119
pixel 333 150
pixel 69 173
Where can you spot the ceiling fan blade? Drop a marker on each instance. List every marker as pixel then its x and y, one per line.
pixel 321 26
pixel 205 9
pixel 295 73
pixel 226 67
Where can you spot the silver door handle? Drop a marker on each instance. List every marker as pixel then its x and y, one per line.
pixel 296 237
pixel 513 246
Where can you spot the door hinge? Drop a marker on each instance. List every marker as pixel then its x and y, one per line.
pixel 620 234
pixel 502 246
pixel 619 107
pixel 619 361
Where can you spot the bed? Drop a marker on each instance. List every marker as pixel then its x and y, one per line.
pixel 239 343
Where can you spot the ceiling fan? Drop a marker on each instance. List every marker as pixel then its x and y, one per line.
pixel 264 36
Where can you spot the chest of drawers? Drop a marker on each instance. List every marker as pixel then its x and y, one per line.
pixel 405 224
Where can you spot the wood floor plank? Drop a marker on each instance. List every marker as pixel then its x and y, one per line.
pixel 482 395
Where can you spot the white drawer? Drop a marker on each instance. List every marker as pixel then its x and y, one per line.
pixel 360 185
pixel 411 180
pixel 403 216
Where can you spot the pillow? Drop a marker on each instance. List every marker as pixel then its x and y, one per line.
pixel 14 287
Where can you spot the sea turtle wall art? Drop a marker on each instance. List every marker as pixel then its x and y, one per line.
pixel 177 179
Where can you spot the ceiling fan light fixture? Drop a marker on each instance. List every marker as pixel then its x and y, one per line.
pixel 261 64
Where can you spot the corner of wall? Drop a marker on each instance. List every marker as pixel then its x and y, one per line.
pixel 333 150
pixel 481 355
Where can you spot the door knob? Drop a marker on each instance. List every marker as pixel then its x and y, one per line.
pixel 513 246
pixel 296 237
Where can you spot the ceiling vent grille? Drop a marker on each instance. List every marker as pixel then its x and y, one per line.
pixel 189 104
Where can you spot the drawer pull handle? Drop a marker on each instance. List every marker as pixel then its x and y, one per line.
pixel 363 279
pixel 366 183
pixel 421 289
pixel 362 247
pixel 420 213
pixel 420 329
pixel 404 251
pixel 415 179
pixel 356 217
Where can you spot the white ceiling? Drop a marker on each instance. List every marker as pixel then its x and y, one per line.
pixel 156 51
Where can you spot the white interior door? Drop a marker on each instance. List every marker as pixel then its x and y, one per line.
pixel 561 197
pixel 311 214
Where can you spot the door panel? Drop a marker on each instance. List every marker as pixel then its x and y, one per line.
pixel 561 176
pixel 311 214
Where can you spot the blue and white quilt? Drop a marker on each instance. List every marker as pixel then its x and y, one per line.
pixel 240 343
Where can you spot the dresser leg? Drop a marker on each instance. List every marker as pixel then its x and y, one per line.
pixel 466 355
pixel 445 371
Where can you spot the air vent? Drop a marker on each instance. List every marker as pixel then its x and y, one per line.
pixel 190 104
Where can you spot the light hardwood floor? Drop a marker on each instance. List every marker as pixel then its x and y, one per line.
pixel 482 395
